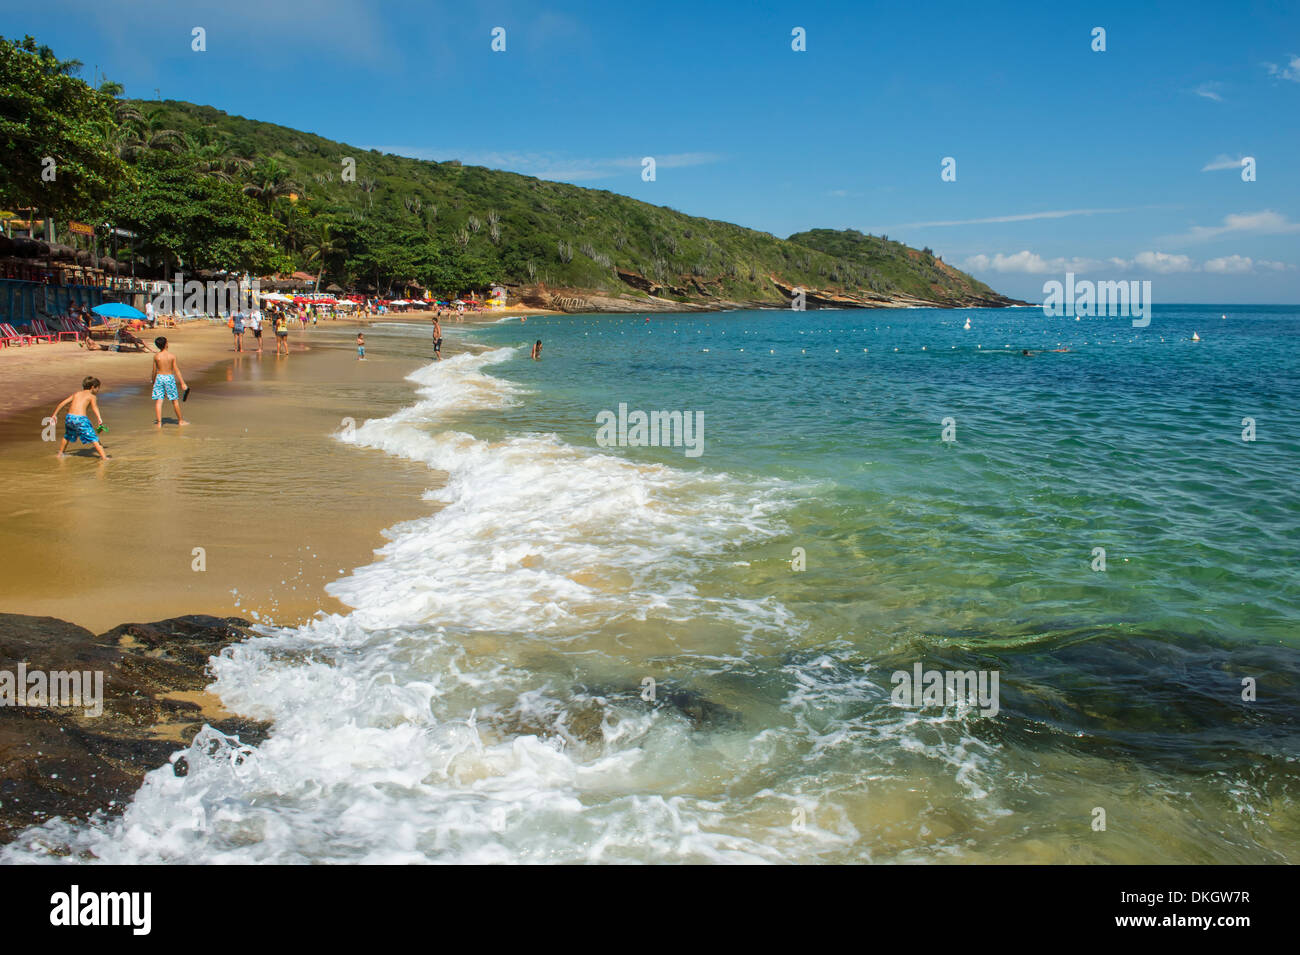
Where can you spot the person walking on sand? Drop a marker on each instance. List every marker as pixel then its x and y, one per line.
pixel 77 426
pixel 437 338
pixel 255 323
pixel 166 372
pixel 238 328
pixel 361 346
pixel 281 334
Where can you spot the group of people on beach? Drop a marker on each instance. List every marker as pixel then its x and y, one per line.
pixel 251 321
pixel 167 383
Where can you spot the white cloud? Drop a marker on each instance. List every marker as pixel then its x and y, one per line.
pixel 1209 91
pixel 1230 265
pixel 1265 222
pixel 1029 263
pixel 1163 262
pixel 1222 161
pixel 1289 72
pixel 1021 217
pixel 1159 263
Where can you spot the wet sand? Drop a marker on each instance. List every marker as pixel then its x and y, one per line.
pixel 248 511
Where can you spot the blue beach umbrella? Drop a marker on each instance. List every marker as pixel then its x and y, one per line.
pixel 117 310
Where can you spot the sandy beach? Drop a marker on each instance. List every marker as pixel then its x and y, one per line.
pixel 248 511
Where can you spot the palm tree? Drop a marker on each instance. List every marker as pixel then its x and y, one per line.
pixel 270 182
pixel 214 158
pixel 139 133
pixel 321 245
pixel 293 219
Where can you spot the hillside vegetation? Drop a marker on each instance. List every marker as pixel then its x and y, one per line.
pixel 443 225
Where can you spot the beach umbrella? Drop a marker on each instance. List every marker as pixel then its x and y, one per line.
pixel 117 310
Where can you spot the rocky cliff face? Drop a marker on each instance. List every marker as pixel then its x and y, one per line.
pixel 67 761
pixel 696 294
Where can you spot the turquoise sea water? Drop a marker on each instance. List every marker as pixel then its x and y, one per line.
pixel 595 653
pixel 1131 441
pixel 979 553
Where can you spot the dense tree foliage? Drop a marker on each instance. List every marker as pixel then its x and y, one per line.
pixel 183 216
pixel 216 191
pixel 55 149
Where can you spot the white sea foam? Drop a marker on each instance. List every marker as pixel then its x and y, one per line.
pixel 400 736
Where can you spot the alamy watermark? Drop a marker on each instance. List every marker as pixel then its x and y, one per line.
pixel 210 298
pixel 921 689
pixel 75 907
pixel 82 688
pixel 1086 298
pixel 654 429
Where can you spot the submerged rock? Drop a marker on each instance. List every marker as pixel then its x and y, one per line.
pixel 588 710
pixel 140 696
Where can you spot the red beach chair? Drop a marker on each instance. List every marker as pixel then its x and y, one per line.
pixel 40 332
pixel 71 327
pixel 11 337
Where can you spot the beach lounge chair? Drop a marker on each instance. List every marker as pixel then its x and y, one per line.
pixel 10 336
pixel 41 332
pixel 128 342
pixel 71 327
pixel 103 332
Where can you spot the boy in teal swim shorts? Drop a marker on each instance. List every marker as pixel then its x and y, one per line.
pixel 77 426
pixel 165 372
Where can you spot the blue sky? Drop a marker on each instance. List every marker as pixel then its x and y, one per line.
pixel 1115 164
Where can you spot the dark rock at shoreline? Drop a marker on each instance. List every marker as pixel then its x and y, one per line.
pixel 63 761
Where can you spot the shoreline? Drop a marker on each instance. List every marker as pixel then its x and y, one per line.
pixel 40 376
pixel 156 686
pixel 249 512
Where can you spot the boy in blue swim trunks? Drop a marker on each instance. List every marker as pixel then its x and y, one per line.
pixel 166 371
pixel 77 426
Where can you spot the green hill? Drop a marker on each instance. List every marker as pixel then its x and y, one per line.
pixel 458 225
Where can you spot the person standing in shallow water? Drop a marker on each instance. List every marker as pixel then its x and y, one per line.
pixel 76 425
pixel 166 372
pixel 281 334
pixel 437 338
pixel 537 351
